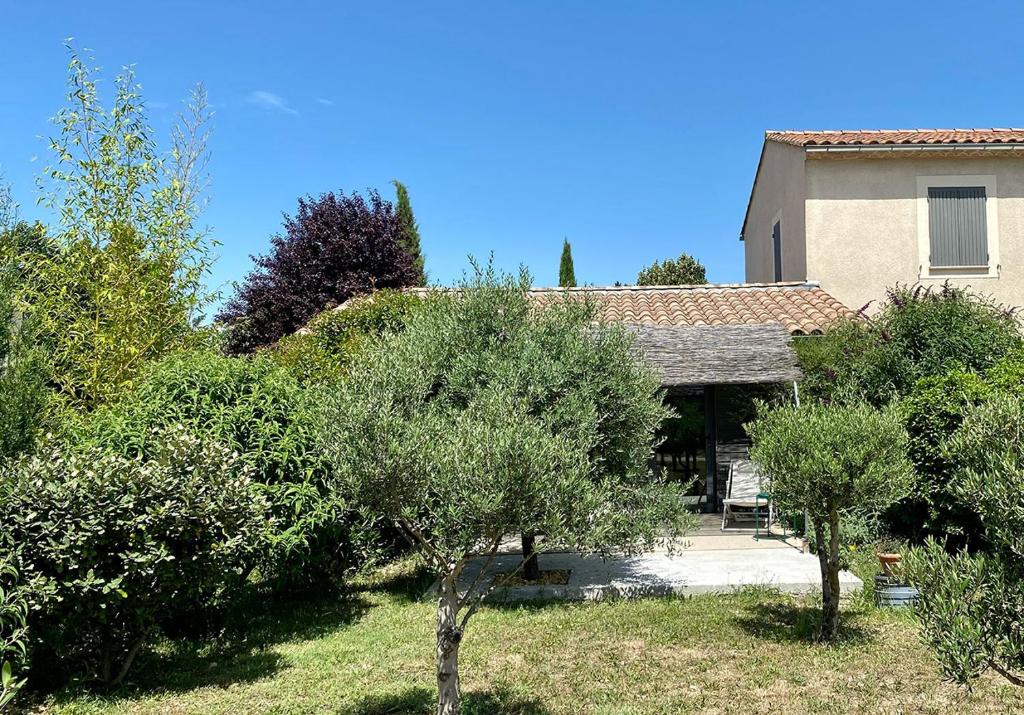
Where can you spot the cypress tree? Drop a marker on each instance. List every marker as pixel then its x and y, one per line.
pixel 566 272
pixel 410 231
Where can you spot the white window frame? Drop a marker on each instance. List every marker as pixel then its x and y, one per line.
pixel 991 220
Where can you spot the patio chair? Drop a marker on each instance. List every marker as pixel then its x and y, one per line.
pixel 744 490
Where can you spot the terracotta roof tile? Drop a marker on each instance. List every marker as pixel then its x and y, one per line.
pixel 892 137
pixel 802 308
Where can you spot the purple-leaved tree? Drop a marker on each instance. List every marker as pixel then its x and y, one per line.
pixel 334 247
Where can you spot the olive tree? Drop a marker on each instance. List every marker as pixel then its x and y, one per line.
pixel 828 460
pixel 491 416
pixel 971 604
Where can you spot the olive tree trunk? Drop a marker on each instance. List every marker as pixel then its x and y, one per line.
pixel 531 568
pixel 449 635
pixel 828 559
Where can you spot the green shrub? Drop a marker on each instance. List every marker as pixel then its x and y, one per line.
pixel 13 618
pixel 972 605
pixel 1008 373
pixel 324 350
pixel 113 548
pixel 259 411
pixel 917 333
pixel 23 393
pixel 932 413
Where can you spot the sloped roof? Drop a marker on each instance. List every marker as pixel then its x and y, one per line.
pixel 718 354
pixel 892 137
pixel 801 308
pixel 737 333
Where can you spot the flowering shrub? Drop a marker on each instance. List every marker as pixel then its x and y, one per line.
pixel 917 333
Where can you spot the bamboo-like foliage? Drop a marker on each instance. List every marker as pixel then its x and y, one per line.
pixel 125 283
pixel 22 363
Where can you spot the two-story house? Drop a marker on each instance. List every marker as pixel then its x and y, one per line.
pixel 858 211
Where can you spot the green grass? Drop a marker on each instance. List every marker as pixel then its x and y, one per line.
pixel 371 652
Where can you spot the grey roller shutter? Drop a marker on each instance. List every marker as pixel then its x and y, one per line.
pixel 957 229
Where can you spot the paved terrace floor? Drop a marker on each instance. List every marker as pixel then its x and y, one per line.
pixel 707 561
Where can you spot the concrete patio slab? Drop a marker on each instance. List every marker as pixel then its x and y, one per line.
pixel 689 572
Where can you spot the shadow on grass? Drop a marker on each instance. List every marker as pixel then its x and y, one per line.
pixel 243 650
pixel 421 701
pixel 407 585
pixel 789 622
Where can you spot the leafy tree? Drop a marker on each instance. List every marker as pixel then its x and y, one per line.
pixel 410 231
pixel 685 270
pixel 489 416
pixel 125 281
pixel 335 247
pixel 916 333
pixel 566 272
pixel 971 605
pixel 830 461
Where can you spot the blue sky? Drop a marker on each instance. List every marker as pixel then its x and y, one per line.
pixel 631 128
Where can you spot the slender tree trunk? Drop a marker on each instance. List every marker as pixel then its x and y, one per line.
pixel 826 580
pixel 832 611
pixel 828 558
pixel 449 636
pixel 531 568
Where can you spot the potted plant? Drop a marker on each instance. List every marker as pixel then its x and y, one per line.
pixel 888 561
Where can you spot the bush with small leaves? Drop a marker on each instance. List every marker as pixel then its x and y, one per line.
pixel 112 547
pixel 324 349
pixel 932 412
pixel 972 605
pixel 916 333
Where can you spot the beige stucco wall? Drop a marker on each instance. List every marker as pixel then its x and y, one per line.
pixel 862 224
pixel 778 189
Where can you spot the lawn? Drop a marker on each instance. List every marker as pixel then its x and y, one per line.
pixel 371 652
